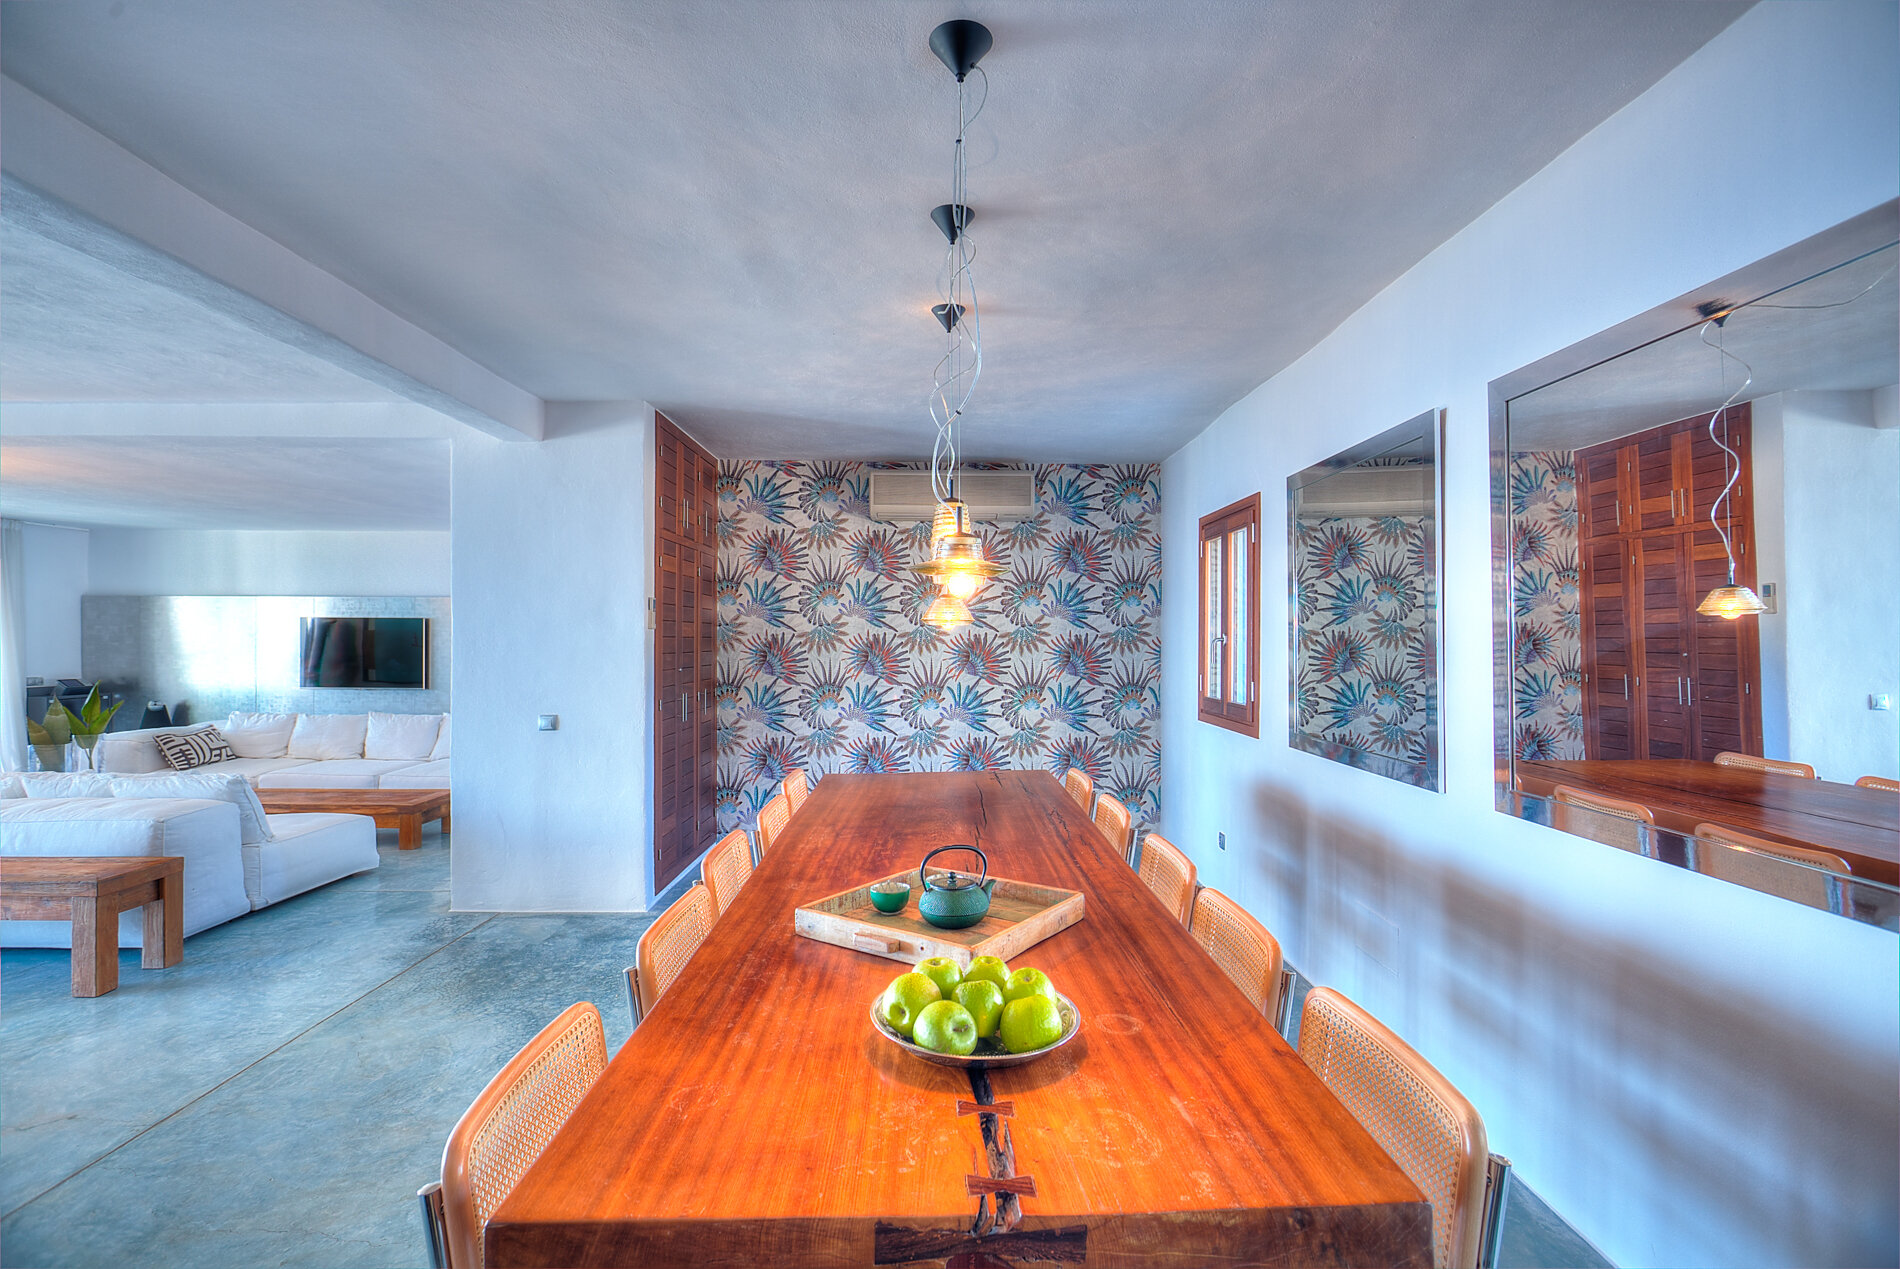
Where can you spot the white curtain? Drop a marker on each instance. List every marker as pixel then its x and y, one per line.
pixel 12 631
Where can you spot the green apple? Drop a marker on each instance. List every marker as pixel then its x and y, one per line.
pixel 946 1027
pixel 904 999
pixel 1030 1022
pixel 942 971
pixel 1028 982
pixel 984 1000
pixel 990 967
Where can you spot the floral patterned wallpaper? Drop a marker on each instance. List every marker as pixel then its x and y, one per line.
pixel 1547 655
pixel 1365 672
pixel 824 664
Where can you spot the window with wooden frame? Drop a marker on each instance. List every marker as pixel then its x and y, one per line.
pixel 1230 622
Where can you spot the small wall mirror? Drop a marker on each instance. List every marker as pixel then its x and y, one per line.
pixel 1363 556
pixel 1697 579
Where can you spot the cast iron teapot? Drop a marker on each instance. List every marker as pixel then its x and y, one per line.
pixel 957 901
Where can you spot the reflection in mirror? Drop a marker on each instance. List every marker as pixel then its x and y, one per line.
pixel 1698 576
pixel 1363 552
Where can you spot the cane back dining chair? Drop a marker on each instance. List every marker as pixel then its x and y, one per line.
pixel 1244 949
pixel 796 788
pixel 1776 765
pixel 773 817
pixel 1878 782
pixel 727 867
pixel 1115 822
pixel 1169 873
pixel 1612 821
pixel 1077 784
pixel 666 947
pixel 1417 1117
pixel 505 1130
pixel 1812 877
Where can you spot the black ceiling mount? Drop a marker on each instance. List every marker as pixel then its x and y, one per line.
pixel 960 44
pixel 943 214
pixel 948 314
pixel 1716 310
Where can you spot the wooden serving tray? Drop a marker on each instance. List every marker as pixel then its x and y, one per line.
pixel 1021 915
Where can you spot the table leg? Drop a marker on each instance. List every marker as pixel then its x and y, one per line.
pixel 165 925
pixel 409 831
pixel 95 947
pixel 445 823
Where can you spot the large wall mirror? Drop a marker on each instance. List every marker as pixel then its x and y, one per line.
pixel 1363 553
pixel 1697 578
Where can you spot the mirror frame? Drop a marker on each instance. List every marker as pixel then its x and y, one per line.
pixel 1430 427
pixel 1870 231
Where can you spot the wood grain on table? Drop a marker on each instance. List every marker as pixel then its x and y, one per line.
pixel 756 1117
pixel 1861 825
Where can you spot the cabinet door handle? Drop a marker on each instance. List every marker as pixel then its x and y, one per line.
pixel 1678 689
pixel 1626 687
pixel 1691 685
pixel 683 706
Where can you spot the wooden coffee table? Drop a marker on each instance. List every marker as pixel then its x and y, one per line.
pixel 91 892
pixel 405 810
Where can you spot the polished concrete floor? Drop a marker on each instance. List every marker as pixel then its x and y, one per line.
pixel 278 1097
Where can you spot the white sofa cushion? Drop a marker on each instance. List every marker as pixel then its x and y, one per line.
pixel 251 768
pixel 408 736
pixel 66 784
pixel 204 833
pixel 429 775
pixel 326 736
pixel 130 752
pixel 441 749
pixel 260 735
pixel 10 788
pixel 307 851
pixel 343 773
pixel 208 785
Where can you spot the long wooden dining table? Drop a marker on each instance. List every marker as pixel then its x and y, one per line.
pixel 755 1117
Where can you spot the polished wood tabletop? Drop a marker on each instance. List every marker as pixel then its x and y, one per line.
pixel 755 1117
pixel 1860 825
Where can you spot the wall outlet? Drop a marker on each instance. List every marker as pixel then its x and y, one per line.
pixel 1223 841
pixel 1880 700
pixel 548 722
pixel 34 680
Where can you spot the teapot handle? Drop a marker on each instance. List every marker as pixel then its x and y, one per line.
pixel 925 879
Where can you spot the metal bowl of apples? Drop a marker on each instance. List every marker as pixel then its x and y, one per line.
pixel 953 1029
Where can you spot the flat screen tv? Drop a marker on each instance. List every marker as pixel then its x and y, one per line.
pixel 365 652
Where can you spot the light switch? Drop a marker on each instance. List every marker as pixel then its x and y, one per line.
pixel 1880 700
pixel 549 722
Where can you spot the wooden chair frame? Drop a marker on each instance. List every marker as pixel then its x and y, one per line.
pixel 726 868
pixel 1116 824
pixel 1878 782
pixel 1776 765
pixel 561 1063
pixel 1080 788
pixel 1564 797
pixel 1332 1027
pixel 1245 950
pixel 773 817
pixel 1169 873
pixel 796 787
pixel 692 915
pixel 1824 870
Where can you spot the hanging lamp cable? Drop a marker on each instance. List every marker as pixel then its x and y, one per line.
pixel 1733 463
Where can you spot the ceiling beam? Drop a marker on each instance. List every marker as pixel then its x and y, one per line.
pixel 209 254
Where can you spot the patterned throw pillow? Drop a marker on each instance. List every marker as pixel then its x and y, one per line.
pixel 183 750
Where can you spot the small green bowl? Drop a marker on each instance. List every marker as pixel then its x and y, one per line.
pixel 892 897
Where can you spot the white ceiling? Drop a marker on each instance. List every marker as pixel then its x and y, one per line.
pixel 722 207
pixel 172 482
pixel 1837 331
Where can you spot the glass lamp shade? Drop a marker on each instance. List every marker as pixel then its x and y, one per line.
pixel 963 585
pixel 947 612
pixel 1730 602
pixel 958 554
pixel 948 520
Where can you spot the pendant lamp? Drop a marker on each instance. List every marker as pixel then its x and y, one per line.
pixel 1731 601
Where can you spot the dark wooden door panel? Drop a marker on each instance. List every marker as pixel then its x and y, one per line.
pixel 1612 664
pixel 685 522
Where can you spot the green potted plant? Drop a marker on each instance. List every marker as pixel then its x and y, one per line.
pixel 89 723
pixel 49 739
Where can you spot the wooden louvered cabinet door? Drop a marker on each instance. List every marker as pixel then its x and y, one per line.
pixel 684 652
pixel 1612 713
pixel 1660 680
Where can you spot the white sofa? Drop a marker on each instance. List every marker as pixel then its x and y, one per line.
pixel 308 751
pixel 225 876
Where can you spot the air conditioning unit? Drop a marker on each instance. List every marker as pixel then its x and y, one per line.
pixel 992 496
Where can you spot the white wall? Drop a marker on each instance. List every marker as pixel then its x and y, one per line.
pixel 1833 475
pixel 274 562
pixel 53 579
pixel 551 562
pixel 1691 1072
